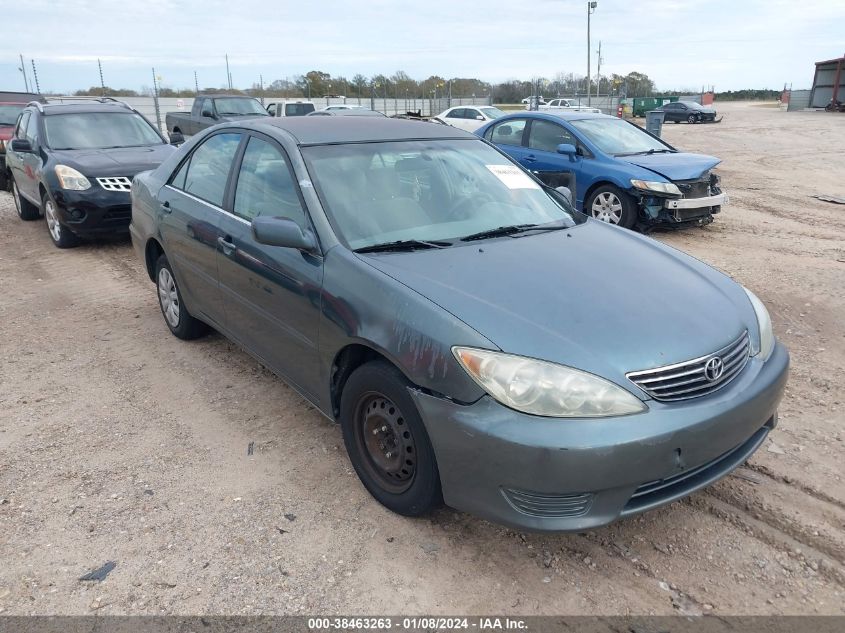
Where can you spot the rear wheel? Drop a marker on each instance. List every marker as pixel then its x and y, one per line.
pixel 59 233
pixel 610 204
pixel 180 322
pixel 26 210
pixel 387 441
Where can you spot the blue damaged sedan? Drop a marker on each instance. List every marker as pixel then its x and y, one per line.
pixel 480 342
pixel 619 173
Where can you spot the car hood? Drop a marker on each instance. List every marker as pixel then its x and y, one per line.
pixel 594 297
pixel 677 166
pixel 125 161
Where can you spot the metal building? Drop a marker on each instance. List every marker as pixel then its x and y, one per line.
pixel 828 83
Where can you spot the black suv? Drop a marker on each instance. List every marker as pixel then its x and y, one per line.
pixel 74 164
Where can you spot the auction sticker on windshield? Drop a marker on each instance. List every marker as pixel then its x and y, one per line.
pixel 512 177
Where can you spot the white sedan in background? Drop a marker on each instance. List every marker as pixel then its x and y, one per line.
pixel 469 118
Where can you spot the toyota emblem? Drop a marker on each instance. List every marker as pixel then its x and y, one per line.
pixel 713 369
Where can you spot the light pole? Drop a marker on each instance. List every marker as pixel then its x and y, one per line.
pixel 591 6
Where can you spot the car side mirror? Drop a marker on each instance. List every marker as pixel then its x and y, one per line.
pixel 566 192
pixel 282 232
pixel 567 149
pixel 208 113
pixel 177 138
pixel 21 145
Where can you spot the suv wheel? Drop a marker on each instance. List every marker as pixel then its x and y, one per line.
pixel 26 210
pixel 180 322
pixel 61 236
pixel 387 441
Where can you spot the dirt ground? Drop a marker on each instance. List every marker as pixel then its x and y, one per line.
pixel 120 443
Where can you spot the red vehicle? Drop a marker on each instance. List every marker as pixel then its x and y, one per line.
pixel 11 104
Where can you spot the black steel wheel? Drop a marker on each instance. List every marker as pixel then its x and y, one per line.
pixel 387 441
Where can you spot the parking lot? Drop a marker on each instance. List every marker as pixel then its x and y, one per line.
pixel 216 489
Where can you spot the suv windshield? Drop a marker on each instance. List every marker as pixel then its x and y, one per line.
pixel 615 136
pixel 239 107
pixel 99 130
pixel 376 193
pixel 9 113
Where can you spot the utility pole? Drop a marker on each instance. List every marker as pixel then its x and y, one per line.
pixel 35 77
pixel 591 6
pixel 598 71
pixel 261 83
pixel 102 83
pixel 196 83
pixel 228 74
pixel 23 72
pixel 155 99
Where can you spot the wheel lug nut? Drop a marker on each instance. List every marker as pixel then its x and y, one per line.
pixel 384 429
pixel 375 431
pixel 388 454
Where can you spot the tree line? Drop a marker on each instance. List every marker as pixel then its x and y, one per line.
pixel 400 85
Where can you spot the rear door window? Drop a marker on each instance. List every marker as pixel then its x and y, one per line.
pixel 508 132
pixel 209 166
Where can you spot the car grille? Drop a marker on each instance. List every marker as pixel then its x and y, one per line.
pixel 695 188
pixel 120 213
pixel 654 493
pixel 117 183
pixel 548 505
pixel 697 377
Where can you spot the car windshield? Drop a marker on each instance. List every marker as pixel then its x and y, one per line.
pixel 9 113
pixel 239 107
pixel 492 113
pixel 616 136
pixel 99 130
pixel 377 193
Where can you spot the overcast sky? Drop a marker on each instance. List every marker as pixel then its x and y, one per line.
pixel 681 44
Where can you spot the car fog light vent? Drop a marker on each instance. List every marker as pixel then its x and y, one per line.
pixel 548 505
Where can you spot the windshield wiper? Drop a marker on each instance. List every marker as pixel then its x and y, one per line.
pixel 402 245
pixel 649 152
pixel 501 231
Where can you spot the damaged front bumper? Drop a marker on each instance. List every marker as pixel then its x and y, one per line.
pixel 696 203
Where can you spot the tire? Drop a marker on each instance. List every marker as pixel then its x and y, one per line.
pixel 180 322
pixel 691 118
pixel 26 210
pixel 610 204
pixel 59 233
pixel 387 442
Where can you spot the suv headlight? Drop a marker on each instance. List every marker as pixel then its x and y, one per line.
pixel 766 343
pixel 668 188
pixel 71 179
pixel 542 388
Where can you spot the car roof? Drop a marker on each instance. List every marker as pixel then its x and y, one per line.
pixel 323 130
pixel 566 116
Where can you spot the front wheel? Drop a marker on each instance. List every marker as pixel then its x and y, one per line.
pixel 180 322
pixel 387 441
pixel 691 118
pixel 610 204
pixel 59 233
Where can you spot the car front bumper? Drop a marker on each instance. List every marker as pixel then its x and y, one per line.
pixel 551 474
pixel 94 211
pixel 696 203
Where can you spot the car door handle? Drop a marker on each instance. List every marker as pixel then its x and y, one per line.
pixel 530 159
pixel 165 206
pixel 227 246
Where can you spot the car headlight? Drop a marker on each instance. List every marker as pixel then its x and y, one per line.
pixel 71 179
pixel 542 388
pixel 668 188
pixel 766 343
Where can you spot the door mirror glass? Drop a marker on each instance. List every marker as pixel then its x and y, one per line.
pixel 177 138
pixel 208 113
pixel 567 149
pixel 282 232
pixel 566 192
pixel 21 145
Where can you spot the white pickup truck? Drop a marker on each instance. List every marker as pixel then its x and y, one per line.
pixel 567 104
